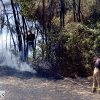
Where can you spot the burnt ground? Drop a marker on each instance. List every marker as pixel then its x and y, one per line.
pixel 27 86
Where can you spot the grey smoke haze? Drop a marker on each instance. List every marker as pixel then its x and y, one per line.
pixel 9 59
pixel 6 44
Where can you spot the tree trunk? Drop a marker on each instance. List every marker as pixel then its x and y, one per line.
pixel 74 10
pixel 24 38
pixel 62 13
pixel 8 23
pixel 17 30
pixel 79 11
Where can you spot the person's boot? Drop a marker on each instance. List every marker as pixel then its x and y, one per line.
pixel 93 90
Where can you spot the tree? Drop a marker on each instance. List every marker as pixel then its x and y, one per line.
pixel 74 10
pixel 62 13
pixel 8 23
pixel 77 13
pixel 17 28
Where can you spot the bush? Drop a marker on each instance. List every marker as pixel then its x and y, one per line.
pixel 75 52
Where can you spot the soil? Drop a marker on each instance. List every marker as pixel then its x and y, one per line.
pixel 27 86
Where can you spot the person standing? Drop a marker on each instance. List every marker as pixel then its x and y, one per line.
pixel 30 40
pixel 96 76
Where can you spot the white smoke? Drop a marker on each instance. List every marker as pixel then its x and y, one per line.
pixel 7 58
pixel 12 61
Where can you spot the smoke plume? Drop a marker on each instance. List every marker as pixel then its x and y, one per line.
pixel 10 60
pixel 7 58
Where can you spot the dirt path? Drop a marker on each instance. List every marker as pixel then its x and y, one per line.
pixel 27 86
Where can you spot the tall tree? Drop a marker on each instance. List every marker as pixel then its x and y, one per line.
pixel 8 23
pixel 74 10
pixel 62 13
pixel 17 28
pixel 79 10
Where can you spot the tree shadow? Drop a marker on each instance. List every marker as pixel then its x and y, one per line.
pixel 48 75
pixel 6 71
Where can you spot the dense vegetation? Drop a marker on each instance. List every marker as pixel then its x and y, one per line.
pixel 70 33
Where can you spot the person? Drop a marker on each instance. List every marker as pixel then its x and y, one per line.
pixel 96 76
pixel 30 39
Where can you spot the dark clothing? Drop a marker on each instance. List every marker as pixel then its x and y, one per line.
pixel 31 37
pixel 97 63
pixel 30 40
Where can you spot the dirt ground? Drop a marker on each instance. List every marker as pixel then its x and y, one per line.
pixel 28 86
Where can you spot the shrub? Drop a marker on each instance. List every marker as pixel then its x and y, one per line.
pixel 75 51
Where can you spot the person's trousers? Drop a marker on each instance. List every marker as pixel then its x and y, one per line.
pixel 96 79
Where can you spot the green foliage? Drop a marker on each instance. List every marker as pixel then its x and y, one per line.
pixel 76 51
pixel 27 7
